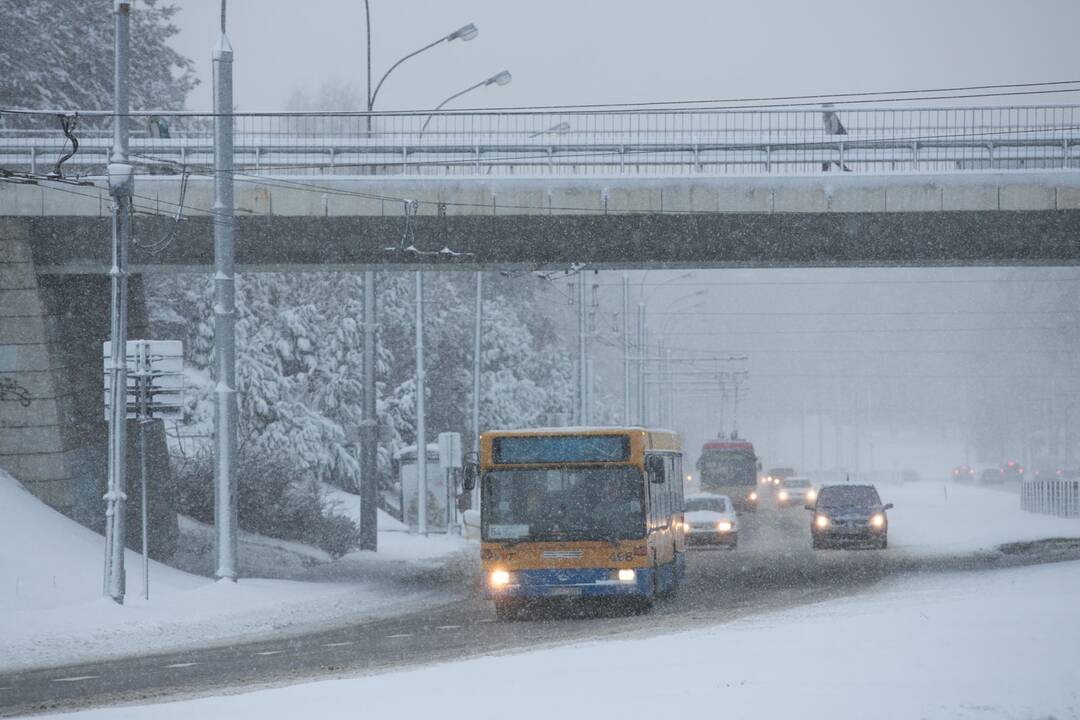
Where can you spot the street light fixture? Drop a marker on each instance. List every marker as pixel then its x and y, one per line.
pixel 466 33
pixel 563 127
pixel 501 78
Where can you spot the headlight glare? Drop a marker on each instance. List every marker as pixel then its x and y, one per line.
pixel 878 520
pixel 811 495
pixel 724 526
pixel 627 575
pixel 783 495
pixel 821 521
pixel 499 578
pixel 753 496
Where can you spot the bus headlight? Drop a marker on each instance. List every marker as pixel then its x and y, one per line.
pixel 782 495
pixel 821 521
pixel 627 575
pixel 811 495
pixel 499 578
pixel 724 526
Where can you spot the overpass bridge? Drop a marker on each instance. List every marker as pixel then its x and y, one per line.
pixel 602 189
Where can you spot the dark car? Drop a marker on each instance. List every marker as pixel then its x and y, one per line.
pixel 849 515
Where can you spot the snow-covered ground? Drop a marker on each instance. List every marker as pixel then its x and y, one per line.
pixel 998 644
pixel 52 610
pixel 933 518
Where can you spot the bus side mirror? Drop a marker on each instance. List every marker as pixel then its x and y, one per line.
pixel 655 466
pixel 471 467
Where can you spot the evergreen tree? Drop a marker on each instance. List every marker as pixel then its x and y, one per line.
pixel 58 55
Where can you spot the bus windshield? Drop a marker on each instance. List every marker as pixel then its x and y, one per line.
pixel 727 469
pixel 563 503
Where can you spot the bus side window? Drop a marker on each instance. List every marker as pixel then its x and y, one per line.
pixel 657 497
pixel 679 484
pixel 670 496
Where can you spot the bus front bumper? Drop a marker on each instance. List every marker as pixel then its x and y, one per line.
pixel 567 583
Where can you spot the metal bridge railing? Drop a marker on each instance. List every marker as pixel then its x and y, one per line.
pixel 1059 497
pixel 630 142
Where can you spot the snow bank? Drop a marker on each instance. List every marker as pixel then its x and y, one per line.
pixel 997 644
pixel 932 518
pixel 47 561
pixel 52 610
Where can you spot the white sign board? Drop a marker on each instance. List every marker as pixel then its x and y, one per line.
pixel 436 491
pixel 450 450
pixel 157 362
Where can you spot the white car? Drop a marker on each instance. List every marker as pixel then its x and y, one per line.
pixel 795 491
pixel 710 520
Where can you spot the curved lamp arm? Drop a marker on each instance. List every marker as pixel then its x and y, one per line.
pixel 501 78
pixel 466 33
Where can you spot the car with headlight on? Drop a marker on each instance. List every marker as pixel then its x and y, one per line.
pixel 846 515
pixel 795 491
pixel 775 476
pixel 710 520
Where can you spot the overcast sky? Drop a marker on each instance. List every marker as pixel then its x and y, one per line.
pixel 583 51
pixel 592 51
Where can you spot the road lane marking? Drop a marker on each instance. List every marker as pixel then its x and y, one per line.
pixel 270 652
pixel 447 627
pixel 77 678
pixel 180 665
pixel 400 635
pixel 340 644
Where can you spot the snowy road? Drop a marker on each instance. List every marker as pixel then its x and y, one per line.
pixel 772 569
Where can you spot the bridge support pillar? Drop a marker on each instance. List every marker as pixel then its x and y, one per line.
pixel 53 434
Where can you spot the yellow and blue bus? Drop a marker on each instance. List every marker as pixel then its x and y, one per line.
pixel 580 513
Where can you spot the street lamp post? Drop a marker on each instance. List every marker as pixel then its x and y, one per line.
pixel 369 430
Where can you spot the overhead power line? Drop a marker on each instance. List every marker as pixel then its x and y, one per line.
pixel 737 103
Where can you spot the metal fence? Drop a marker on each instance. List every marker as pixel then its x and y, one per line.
pixel 666 142
pixel 1051 497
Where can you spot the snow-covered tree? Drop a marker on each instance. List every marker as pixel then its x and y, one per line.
pixel 300 361
pixel 58 54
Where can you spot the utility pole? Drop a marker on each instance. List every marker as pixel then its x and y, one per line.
pixel 224 312
pixel 820 443
pixel 580 410
pixel 643 353
pixel 477 370
pixel 369 427
pixel 121 187
pixel 421 434
pixel 369 423
pixel 661 380
pixel 858 437
pixel 802 439
pixel 626 346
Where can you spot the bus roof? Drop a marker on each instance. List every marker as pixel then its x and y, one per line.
pixel 744 445
pixel 656 438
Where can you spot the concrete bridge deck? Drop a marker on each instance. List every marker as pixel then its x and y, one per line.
pixel 1010 217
